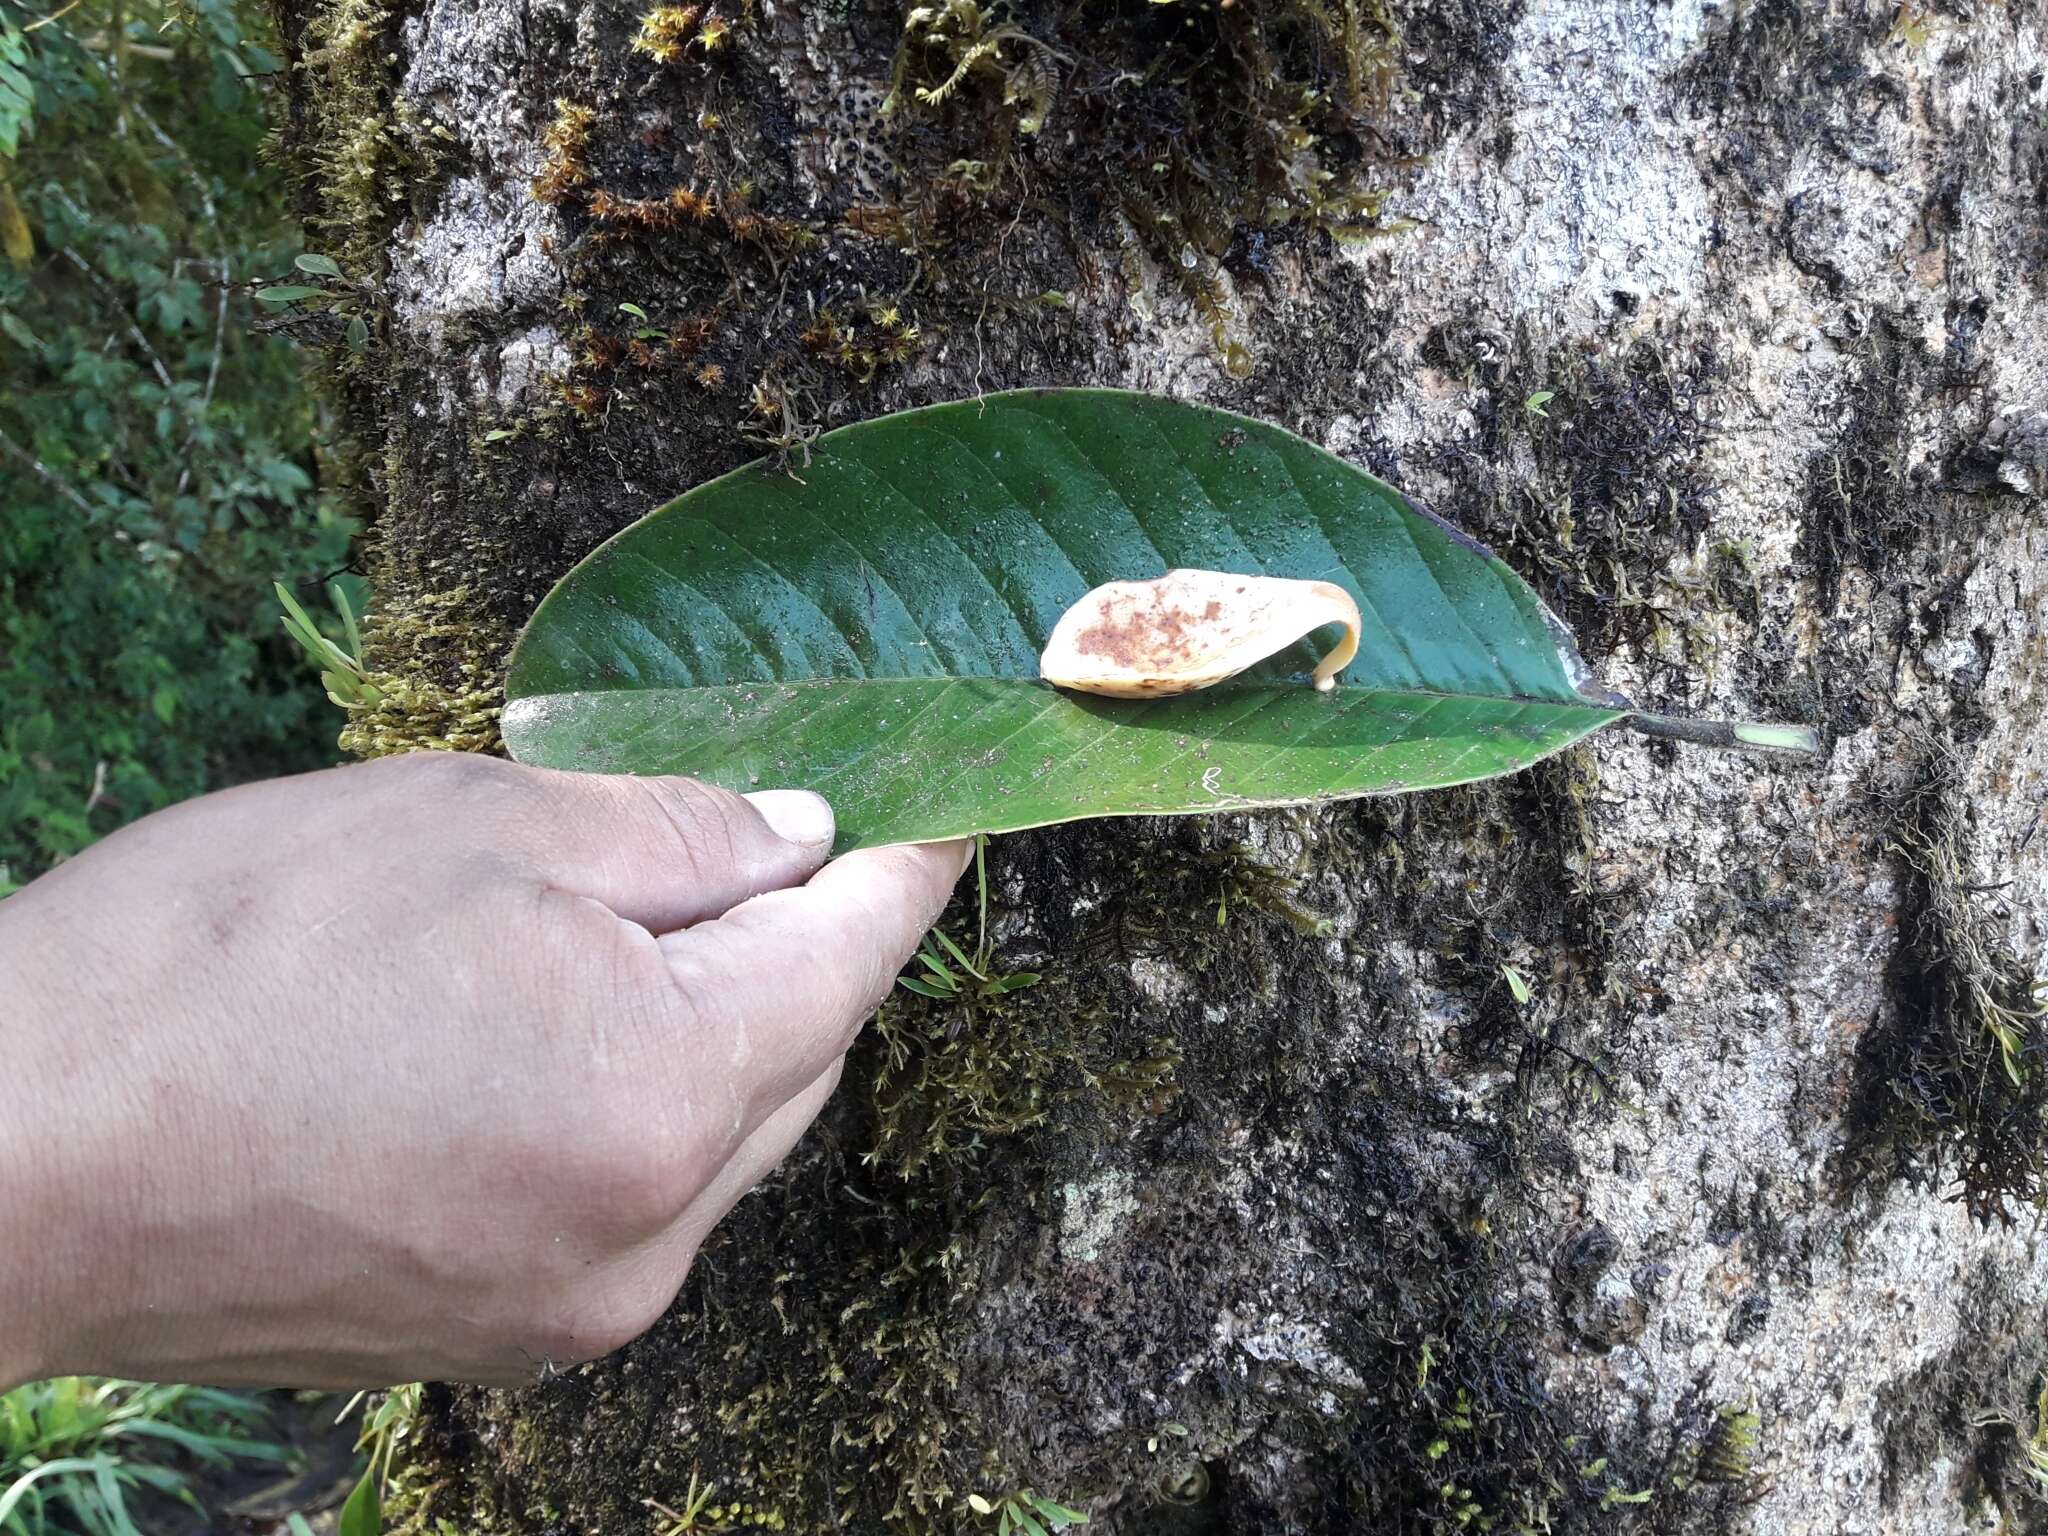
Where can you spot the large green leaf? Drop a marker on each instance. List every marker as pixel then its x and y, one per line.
pixel 872 630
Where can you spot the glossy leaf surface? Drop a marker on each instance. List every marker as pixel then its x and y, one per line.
pixel 873 630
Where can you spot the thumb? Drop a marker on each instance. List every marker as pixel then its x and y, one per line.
pixel 789 977
pixel 669 852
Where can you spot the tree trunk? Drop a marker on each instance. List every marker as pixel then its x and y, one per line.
pixel 1276 1206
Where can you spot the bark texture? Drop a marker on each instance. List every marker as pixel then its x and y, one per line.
pixel 1271 1208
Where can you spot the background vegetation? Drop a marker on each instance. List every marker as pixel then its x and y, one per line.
pixel 158 451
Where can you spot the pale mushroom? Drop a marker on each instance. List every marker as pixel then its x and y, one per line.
pixel 1190 629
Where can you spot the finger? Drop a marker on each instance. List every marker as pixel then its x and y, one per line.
pixel 758 1156
pixel 669 852
pixel 778 987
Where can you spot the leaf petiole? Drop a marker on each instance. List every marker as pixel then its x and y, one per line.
pixel 1740 735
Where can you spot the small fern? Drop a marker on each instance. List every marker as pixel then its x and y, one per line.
pixel 343 672
pixel 1025 1512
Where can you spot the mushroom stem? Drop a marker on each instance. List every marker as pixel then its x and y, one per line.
pixel 1343 611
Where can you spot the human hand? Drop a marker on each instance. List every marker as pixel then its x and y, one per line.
pixel 434 1067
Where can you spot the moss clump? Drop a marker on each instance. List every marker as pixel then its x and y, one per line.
pixel 1203 120
pixel 437 666
pixel 1728 1453
pixel 668 32
pixel 1955 1080
pixel 952 1078
pixel 1864 510
pixel 1609 522
pixel 565 150
pixel 878 336
pixel 361 155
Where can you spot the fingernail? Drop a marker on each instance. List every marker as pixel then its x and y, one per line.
pixel 796 816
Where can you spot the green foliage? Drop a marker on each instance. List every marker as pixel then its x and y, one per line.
pixel 156 455
pixel 385 1428
pixel 343 672
pixel 340 298
pixel 905 648
pixel 1025 1513
pixel 1518 984
pixel 17 90
pixel 940 981
pixel 79 1456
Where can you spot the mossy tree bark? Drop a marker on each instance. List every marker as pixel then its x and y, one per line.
pixel 1272 1207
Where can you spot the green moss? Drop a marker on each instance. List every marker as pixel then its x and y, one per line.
pixel 953 1078
pixel 438 666
pixel 1729 1452
pixel 363 157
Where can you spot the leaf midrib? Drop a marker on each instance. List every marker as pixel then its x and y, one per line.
pixel 954 679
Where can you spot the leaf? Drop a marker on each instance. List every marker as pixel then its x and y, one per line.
pixel 873 630
pixel 363 1514
pixel 1057 1514
pixel 958 954
pixel 339 598
pixel 286 293
pixel 319 266
pixel 1518 984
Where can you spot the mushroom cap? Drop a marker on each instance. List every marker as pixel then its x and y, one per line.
pixel 1190 629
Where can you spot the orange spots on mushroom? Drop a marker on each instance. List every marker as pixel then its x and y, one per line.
pixel 1191 629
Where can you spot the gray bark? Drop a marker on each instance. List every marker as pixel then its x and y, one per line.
pixel 1271 1209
